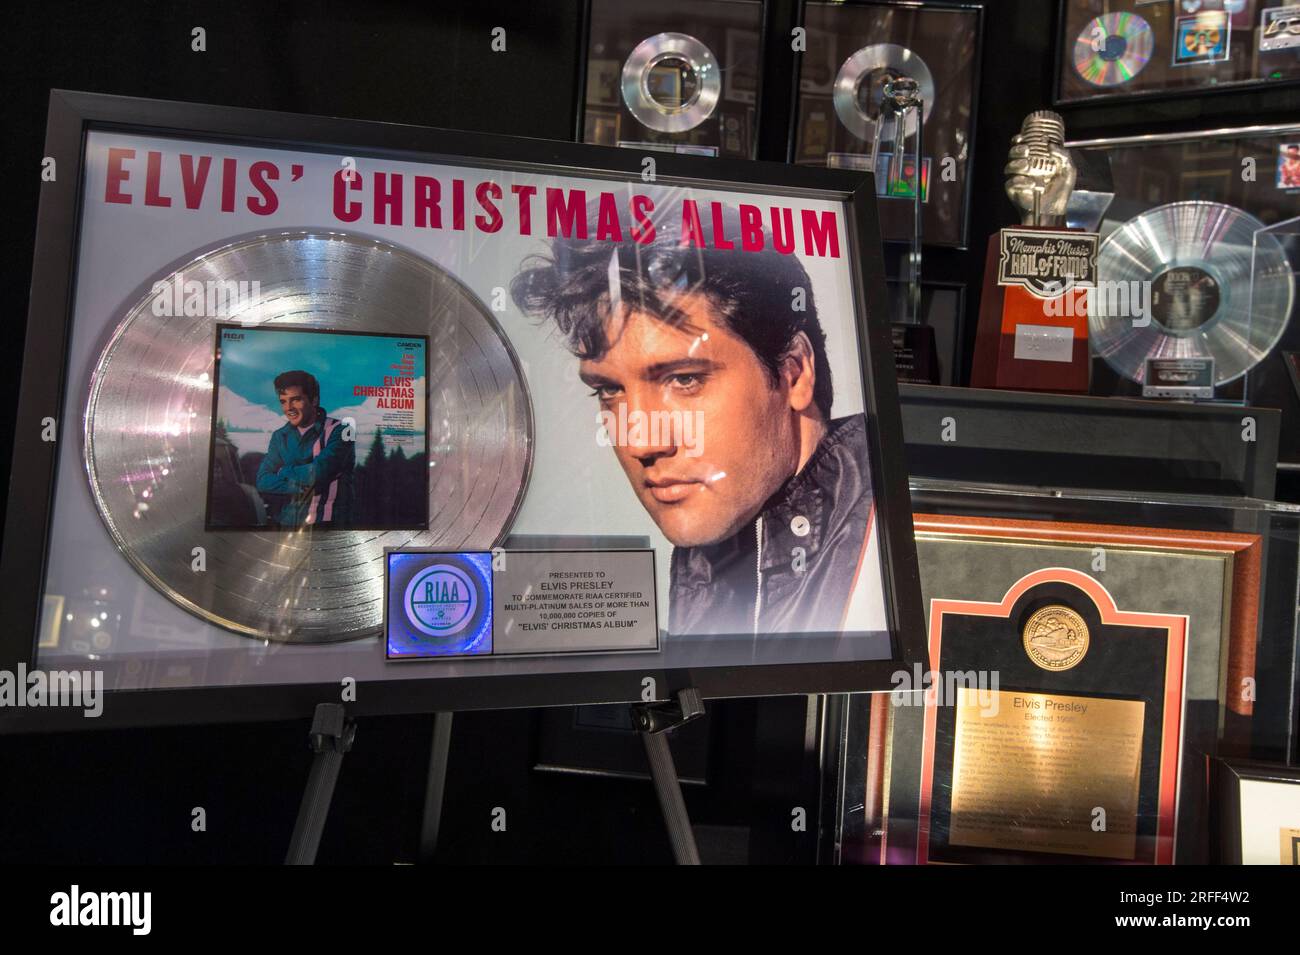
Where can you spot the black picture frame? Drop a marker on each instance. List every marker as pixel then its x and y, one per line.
pixel 1059 61
pixel 950 6
pixel 1226 775
pixel 72 115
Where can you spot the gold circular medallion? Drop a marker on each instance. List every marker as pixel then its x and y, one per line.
pixel 1056 638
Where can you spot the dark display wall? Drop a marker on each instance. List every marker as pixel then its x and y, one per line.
pixel 129 796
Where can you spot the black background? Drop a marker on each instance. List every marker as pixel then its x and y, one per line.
pixel 127 795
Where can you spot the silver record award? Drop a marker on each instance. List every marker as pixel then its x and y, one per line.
pixel 1193 259
pixel 671 82
pixel 148 433
pixel 859 86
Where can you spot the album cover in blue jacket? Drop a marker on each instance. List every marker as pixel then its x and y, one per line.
pixel 320 429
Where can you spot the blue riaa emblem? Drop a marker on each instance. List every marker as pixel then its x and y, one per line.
pixel 440 601
pixel 439 604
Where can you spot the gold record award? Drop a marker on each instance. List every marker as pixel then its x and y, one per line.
pixel 1056 638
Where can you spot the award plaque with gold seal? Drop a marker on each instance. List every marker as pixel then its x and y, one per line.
pixel 1073 753
pixel 1075 671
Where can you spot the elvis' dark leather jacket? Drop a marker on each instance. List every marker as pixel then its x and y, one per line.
pixel 792 568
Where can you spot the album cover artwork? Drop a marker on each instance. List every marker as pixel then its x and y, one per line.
pixel 318 429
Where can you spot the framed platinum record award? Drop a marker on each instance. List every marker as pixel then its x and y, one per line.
pixel 672 76
pixel 845 113
pixel 309 400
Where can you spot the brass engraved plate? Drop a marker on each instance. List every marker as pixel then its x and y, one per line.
pixel 1056 638
pixel 1030 771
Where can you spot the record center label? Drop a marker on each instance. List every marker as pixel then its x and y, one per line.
pixel 1184 298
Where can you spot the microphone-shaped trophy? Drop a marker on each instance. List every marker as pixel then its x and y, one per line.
pixel 1033 324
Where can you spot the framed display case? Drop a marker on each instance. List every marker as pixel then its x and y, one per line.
pixel 1110 49
pixel 416 360
pixel 1252 168
pixel 1089 652
pixel 683 76
pixel 1195 273
pixel 852 50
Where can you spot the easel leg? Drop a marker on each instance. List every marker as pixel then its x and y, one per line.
pixel 331 738
pixel 436 786
pixel 653 721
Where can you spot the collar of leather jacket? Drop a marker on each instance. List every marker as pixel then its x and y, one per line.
pixel 797 515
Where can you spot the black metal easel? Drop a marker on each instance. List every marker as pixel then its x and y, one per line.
pixel 332 735
pixel 654 721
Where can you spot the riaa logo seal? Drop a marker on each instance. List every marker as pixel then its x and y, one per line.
pixel 441 601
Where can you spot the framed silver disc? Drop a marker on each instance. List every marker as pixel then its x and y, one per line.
pixel 861 80
pixel 1190 263
pixel 148 421
pixel 671 82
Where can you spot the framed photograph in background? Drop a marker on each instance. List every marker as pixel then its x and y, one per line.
pixel 1111 49
pixel 1255 812
pixel 852 50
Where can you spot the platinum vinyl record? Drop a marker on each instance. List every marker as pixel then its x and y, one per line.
pixel 861 80
pixel 1195 260
pixel 148 427
pixel 658 69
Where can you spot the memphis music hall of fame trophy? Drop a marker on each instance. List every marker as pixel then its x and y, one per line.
pixel 1033 323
